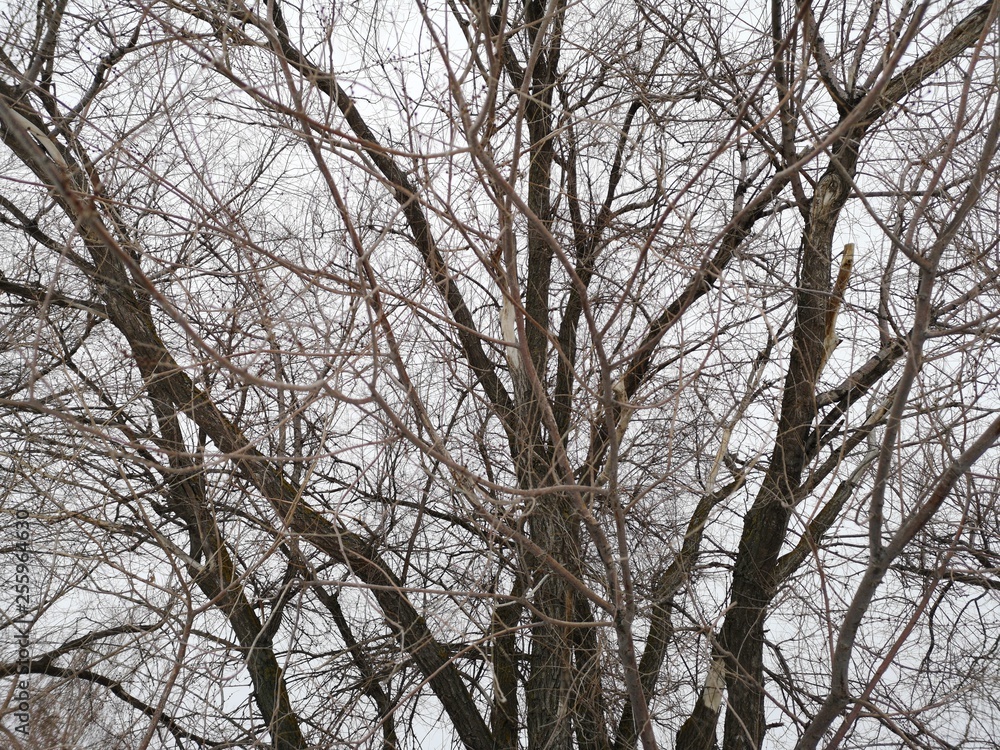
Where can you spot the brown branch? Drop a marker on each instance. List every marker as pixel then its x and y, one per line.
pixel 370 684
pixel 46 667
pixel 167 382
pixel 40 295
pixel 406 195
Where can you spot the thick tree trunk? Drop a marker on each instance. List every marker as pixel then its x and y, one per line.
pixel 555 527
pixel 766 524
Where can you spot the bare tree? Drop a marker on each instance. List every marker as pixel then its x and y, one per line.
pixel 548 375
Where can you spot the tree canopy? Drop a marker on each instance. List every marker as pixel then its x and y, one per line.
pixel 491 375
